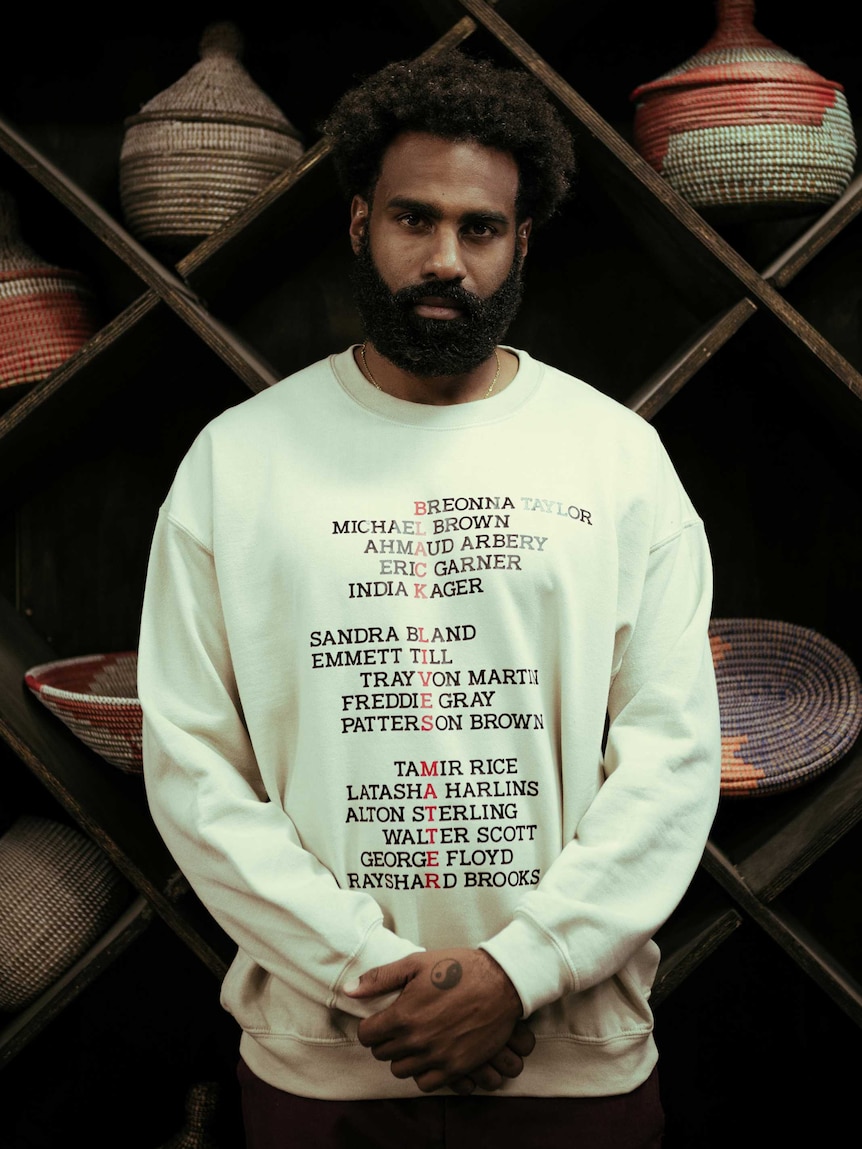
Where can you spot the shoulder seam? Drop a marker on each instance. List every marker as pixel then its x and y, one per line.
pixel 684 526
pixel 185 530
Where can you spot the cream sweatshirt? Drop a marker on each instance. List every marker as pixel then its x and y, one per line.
pixel 418 676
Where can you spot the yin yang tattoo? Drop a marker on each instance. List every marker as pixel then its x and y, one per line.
pixel 446 973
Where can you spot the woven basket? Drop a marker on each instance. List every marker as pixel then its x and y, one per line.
pixel 46 313
pixel 200 1129
pixel 790 703
pixel 58 896
pixel 96 697
pixel 744 129
pixel 201 149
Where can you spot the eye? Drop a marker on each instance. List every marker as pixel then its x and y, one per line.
pixel 478 229
pixel 411 219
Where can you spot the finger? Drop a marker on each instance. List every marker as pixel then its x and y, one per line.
pixel 463 1085
pixel 387 1051
pixel 377 1029
pixel 415 1064
pixel 396 1049
pixel 522 1040
pixel 430 1080
pixel 408 1067
pixel 380 979
pixel 507 1063
pixel 487 1077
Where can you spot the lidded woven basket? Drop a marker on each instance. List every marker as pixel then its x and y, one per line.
pixel 745 130
pixel 46 313
pixel 200 150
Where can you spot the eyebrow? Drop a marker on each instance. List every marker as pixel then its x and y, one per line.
pixel 432 212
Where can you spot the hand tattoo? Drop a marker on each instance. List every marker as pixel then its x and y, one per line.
pixel 446 973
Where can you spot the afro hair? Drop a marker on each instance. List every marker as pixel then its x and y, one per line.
pixel 456 97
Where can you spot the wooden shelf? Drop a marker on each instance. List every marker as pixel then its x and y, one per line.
pixel 661 387
pixel 238 355
pixel 787 266
pixel 703 920
pixel 771 840
pixel 785 928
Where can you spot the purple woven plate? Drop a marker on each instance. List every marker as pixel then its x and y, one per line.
pixel 790 703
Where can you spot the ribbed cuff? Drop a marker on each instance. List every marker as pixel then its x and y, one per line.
pixel 381 946
pixel 534 963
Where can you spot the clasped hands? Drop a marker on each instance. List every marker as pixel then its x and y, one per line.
pixel 456 1021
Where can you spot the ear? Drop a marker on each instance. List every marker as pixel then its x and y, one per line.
pixel 358 222
pixel 523 236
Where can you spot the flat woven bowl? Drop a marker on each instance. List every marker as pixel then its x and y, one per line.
pixel 96 696
pixel 790 703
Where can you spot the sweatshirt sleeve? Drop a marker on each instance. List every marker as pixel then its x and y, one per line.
pixel 638 846
pixel 239 851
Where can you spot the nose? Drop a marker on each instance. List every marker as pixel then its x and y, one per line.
pixel 443 258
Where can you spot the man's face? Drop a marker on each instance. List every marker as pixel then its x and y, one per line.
pixel 438 269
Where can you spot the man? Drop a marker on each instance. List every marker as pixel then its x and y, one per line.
pixel 430 714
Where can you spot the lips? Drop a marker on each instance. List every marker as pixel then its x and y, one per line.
pixel 436 307
pixel 438 301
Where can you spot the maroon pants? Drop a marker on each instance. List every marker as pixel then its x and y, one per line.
pixel 278 1120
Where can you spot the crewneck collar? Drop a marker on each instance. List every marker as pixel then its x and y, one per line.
pixel 448 416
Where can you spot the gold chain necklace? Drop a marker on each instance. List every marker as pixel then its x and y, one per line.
pixel 371 378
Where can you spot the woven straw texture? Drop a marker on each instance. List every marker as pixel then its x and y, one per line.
pixel 46 313
pixel 744 124
pixel 96 697
pixel 58 896
pixel 200 150
pixel 790 703
pixel 201 1113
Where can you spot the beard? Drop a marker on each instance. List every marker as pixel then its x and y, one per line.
pixel 433 347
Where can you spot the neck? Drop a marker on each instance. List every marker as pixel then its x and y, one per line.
pixel 488 378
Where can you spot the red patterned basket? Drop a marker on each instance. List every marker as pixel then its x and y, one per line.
pixel 96 697
pixel 46 313
pixel 744 129
pixel 790 703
